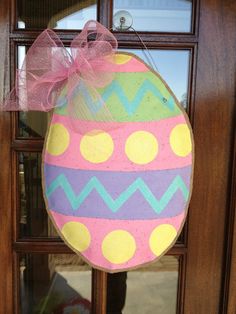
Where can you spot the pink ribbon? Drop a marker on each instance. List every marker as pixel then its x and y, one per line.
pixel 49 69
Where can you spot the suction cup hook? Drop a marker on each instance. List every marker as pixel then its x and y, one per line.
pixel 122 20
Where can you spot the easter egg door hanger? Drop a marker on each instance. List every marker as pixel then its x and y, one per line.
pixel 118 154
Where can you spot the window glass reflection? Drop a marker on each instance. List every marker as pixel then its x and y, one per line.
pixel 66 14
pixel 172 65
pixel 54 283
pixel 158 15
pixel 34 219
pixel 151 289
pixel 33 123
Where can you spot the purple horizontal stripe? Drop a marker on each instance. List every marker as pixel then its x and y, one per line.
pixel 136 207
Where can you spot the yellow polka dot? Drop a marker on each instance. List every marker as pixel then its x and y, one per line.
pixel 96 146
pixel 118 246
pixel 180 140
pixel 161 238
pixel 77 235
pixel 141 147
pixel 58 139
pixel 122 58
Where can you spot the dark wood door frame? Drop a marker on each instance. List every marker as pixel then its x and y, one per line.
pixel 214 107
pixel 6 253
pixel 228 301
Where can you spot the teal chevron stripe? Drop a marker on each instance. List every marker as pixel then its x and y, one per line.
pixel 93 106
pixel 115 204
pixel 131 106
pixel 115 87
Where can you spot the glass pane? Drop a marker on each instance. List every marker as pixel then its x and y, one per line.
pixel 157 15
pixel 54 283
pixel 173 66
pixel 151 290
pixel 34 219
pixel 31 124
pixel 67 14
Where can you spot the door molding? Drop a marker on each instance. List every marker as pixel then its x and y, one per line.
pixel 214 108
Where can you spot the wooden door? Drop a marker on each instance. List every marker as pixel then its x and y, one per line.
pixel 194 44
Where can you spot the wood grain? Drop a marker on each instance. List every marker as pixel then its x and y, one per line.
pixel 99 292
pixel 213 123
pixel 228 304
pixel 6 259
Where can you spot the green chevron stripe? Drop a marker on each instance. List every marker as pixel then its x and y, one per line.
pixel 135 97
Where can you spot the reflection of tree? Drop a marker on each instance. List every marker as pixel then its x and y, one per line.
pixel 184 100
pixel 37 14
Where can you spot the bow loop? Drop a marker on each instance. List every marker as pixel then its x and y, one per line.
pixel 49 68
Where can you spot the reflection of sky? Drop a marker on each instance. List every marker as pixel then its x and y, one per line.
pixel 172 65
pixel 78 19
pixel 21 56
pixel 159 15
pixel 154 4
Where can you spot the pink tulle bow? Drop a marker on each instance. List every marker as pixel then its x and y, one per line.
pixel 49 70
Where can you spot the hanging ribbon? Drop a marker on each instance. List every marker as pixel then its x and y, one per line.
pixel 50 70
